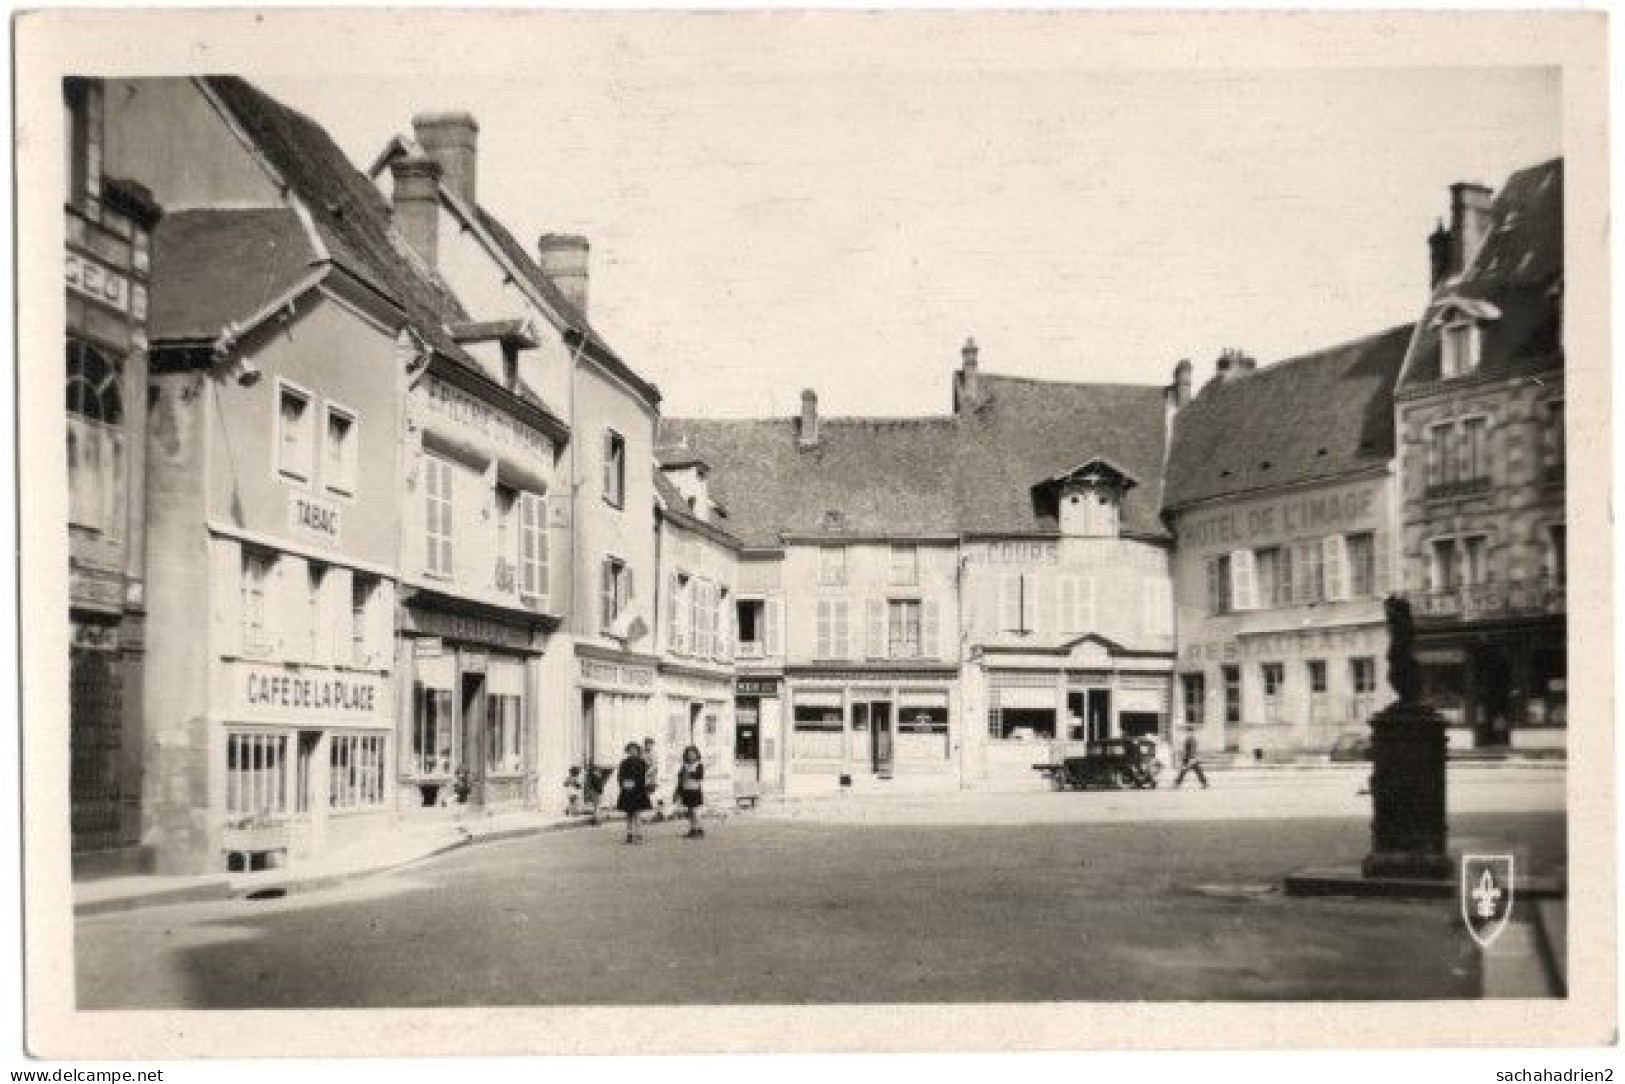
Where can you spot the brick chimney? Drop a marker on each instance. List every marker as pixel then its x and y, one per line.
pixel 1469 223
pixel 417 204
pixel 1438 254
pixel 452 139
pixel 1231 364
pixel 1179 393
pixel 807 433
pixel 563 259
pixel 968 386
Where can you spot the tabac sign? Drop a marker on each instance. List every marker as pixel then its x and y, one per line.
pixel 314 518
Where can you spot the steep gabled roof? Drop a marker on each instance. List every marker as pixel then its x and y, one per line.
pixel 348 213
pixel 674 506
pixel 1313 417
pixel 1515 280
pixel 1027 431
pixel 214 268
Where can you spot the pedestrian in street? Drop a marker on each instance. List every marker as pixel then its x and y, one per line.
pixel 572 792
pixel 633 777
pixel 1190 761
pixel 690 793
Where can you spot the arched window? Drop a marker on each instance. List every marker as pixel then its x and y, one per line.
pixel 93 385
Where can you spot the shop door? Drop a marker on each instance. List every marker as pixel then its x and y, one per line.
pixel 880 736
pixel 1098 709
pixel 472 703
pixel 589 716
pixel 1493 696
pixel 305 827
pixel 747 742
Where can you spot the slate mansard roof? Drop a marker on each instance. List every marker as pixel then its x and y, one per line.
pixel 1319 416
pixel 932 476
pixel 1519 273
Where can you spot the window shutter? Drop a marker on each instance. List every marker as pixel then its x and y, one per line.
pixel 877 629
pixel 708 625
pixel 606 594
pixel 843 628
pixel 826 621
pixel 725 626
pixel 544 550
pixel 1381 578
pixel 1071 608
pixel 381 625
pixel 609 463
pixel 1303 587
pixel 1090 619
pixel 227 578
pixel 1010 602
pixel 674 612
pixel 772 635
pixel 930 630
pixel 1215 590
pixel 1243 581
pixel 1039 606
pixel 1335 557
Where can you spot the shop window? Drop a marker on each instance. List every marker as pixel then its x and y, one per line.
pixel 834 629
pixel 355 777
pixel 614 592
pixel 534 555
pixel 832 565
pixel 437 488
pixel 340 450
pixel 819 727
pixel 1022 714
pixel 256 776
pixel 614 468
pixel 922 727
pixel 95 399
pixel 296 432
pixel 1232 695
pixel 505 734
pixel 257 631
pixel 433 727
pixel 1218 584
pixel 1193 687
pixel 1557 557
pixel 1026 724
pixel 905 565
pixel 903 629
pixel 1360 552
pixel 1273 676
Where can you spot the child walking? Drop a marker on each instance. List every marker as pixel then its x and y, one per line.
pixel 633 777
pixel 689 793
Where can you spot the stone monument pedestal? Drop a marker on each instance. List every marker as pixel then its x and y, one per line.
pixel 1408 830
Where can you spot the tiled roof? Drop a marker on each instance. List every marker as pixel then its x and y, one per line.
pixel 675 507
pixel 211 268
pixel 1519 271
pixel 1028 431
pixel 595 344
pixel 349 213
pixel 902 477
pixel 1318 416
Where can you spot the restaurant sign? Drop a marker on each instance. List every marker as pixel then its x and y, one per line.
pixel 281 692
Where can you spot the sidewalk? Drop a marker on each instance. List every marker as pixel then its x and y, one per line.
pixel 377 854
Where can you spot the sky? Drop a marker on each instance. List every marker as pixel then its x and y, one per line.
pixel 778 216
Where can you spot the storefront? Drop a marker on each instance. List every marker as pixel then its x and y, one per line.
pixel 304 750
pixel 616 698
pixel 870 725
pixel 470 733
pixel 758 761
pixel 698 710
pixel 1498 685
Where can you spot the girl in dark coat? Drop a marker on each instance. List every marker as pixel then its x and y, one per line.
pixel 689 793
pixel 633 777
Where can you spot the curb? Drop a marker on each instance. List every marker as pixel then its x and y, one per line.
pixel 240 889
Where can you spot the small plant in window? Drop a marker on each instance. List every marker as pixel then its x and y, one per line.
pixel 463 784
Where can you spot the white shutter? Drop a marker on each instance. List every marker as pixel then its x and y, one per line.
pixel 1382 577
pixel 1010 602
pixel 843 628
pixel 381 626
pixel 773 633
pixel 1071 612
pixel 1336 558
pixel 674 611
pixel 1086 596
pixel 227 583
pixel 544 550
pixel 930 631
pixel 725 625
pixel 606 594
pixel 1040 605
pixel 826 635
pixel 1243 581
pixel 876 639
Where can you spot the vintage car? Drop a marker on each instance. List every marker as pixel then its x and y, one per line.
pixel 1112 764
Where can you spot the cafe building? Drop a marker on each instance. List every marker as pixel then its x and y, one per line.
pixel 1065 588
pixel 1484 524
pixel 1281 493
pixel 272 480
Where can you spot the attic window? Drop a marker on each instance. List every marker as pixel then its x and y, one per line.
pixel 1459 348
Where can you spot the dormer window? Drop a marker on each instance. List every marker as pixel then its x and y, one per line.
pixel 1090 499
pixel 1459 344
